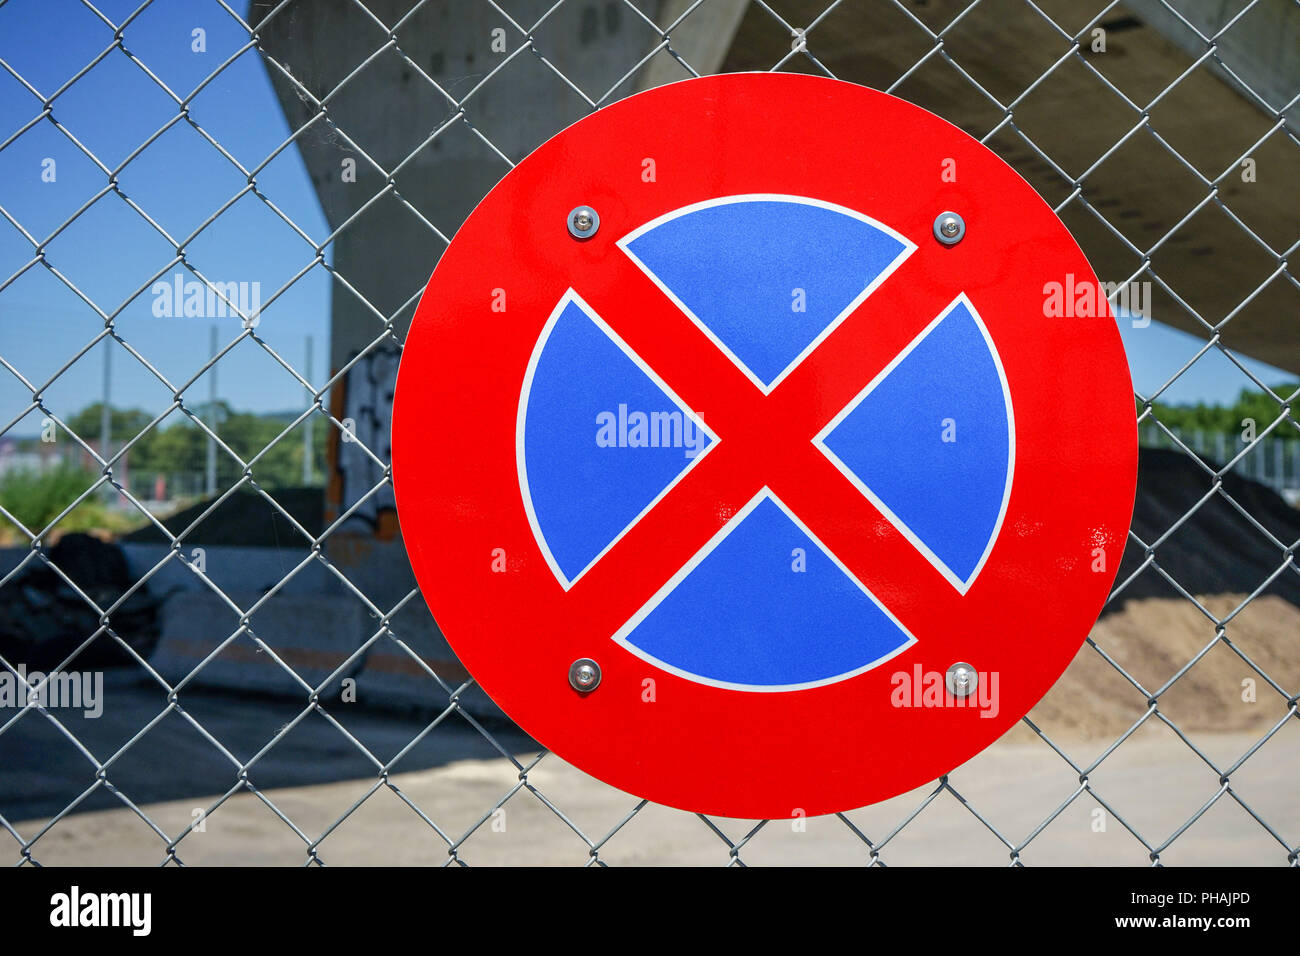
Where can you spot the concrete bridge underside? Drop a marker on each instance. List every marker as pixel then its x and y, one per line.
pixel 1142 189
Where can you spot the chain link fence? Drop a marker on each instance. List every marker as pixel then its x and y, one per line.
pixel 406 113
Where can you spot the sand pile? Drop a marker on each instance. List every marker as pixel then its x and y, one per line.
pixel 1152 631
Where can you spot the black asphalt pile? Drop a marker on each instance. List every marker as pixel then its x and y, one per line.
pixel 245 519
pixel 43 619
pixel 1218 550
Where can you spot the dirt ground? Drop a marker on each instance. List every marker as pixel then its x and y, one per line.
pixel 1154 781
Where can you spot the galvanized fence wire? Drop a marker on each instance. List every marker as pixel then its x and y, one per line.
pixel 527 40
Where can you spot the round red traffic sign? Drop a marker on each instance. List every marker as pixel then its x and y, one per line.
pixel 749 449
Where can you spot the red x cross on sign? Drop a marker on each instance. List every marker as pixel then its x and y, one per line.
pixel 689 639
pixel 766 440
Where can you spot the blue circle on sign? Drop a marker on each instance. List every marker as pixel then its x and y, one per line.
pixel 765 605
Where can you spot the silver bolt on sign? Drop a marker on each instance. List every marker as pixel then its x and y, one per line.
pixel 961 680
pixel 584 675
pixel 949 228
pixel 583 222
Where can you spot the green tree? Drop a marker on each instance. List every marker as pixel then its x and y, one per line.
pixel 1250 404
pixel 124 423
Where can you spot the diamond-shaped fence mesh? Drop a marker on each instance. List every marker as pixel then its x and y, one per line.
pixel 133 186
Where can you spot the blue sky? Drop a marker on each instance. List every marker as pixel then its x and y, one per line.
pixel 180 180
pixel 1157 351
